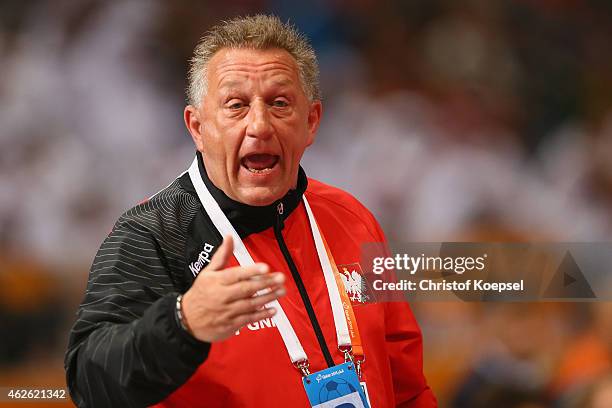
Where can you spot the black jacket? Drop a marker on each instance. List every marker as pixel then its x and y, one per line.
pixel 127 348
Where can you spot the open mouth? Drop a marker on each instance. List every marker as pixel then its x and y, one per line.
pixel 259 163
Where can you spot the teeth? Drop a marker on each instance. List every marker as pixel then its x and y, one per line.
pixel 258 170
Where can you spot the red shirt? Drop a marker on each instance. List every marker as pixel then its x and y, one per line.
pixel 253 369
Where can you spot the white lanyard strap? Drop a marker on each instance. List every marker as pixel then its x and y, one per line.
pixel 294 347
pixel 342 331
pixel 223 225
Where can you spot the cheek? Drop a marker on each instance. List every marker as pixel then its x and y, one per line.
pixel 298 137
pixel 221 139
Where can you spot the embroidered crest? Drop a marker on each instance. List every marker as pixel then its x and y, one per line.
pixel 355 283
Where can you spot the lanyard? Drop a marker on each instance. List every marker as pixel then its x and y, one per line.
pixel 347 307
pixel 342 310
pixel 349 341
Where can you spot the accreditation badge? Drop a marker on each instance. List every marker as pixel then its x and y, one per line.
pixel 335 387
pixel 364 388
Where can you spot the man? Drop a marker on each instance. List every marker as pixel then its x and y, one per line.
pixel 254 108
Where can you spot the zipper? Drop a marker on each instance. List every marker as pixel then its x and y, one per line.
pixel 278 227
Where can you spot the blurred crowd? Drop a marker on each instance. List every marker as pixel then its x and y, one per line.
pixel 472 120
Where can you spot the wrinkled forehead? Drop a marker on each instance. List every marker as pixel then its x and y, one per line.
pixel 233 67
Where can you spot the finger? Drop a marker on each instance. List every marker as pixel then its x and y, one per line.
pixel 244 319
pixel 247 288
pixel 236 274
pixel 255 303
pixel 222 255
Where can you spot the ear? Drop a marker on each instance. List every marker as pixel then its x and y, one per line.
pixel 193 122
pixel 314 118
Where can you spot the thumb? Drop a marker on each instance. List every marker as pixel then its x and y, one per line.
pixel 223 254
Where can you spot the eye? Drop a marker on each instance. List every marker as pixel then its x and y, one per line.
pixel 236 105
pixel 280 103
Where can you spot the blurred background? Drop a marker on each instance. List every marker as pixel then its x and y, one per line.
pixel 479 120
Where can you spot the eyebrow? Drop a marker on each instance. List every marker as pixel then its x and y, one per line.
pixel 282 82
pixel 230 84
pixel 236 83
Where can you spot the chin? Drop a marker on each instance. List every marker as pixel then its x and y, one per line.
pixel 260 196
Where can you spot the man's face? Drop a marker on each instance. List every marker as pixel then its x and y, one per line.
pixel 254 124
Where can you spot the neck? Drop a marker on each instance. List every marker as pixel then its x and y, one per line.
pixel 248 219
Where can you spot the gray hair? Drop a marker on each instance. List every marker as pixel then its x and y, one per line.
pixel 260 32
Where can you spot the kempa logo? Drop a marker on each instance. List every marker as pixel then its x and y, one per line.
pixel 203 259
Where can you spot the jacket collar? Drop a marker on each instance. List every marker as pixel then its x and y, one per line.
pixel 248 219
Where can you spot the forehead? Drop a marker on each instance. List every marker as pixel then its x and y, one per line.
pixel 230 66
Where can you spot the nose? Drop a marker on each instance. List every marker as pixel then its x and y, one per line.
pixel 258 121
